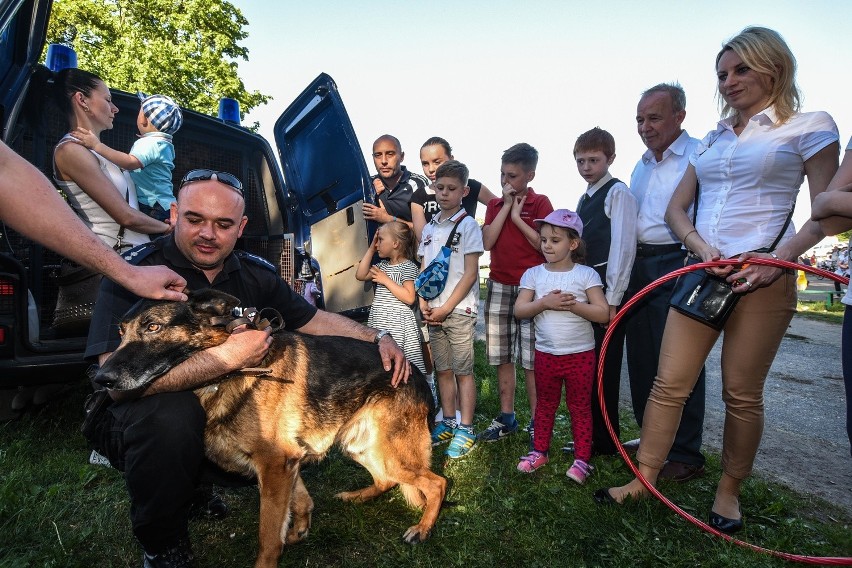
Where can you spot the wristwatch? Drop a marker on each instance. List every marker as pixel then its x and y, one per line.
pixel 380 335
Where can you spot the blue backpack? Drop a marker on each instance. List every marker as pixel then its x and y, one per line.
pixel 431 282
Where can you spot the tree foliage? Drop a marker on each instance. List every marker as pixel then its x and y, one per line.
pixel 187 49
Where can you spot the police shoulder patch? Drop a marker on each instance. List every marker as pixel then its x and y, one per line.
pixel 139 252
pixel 253 258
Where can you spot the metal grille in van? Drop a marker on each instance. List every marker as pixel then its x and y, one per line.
pixel 197 145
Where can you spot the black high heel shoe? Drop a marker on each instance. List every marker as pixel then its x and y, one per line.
pixel 603 497
pixel 724 524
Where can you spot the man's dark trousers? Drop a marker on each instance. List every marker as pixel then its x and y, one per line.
pixel 644 328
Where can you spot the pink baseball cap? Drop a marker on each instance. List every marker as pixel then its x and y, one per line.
pixel 563 218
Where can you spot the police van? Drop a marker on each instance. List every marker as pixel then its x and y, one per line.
pixel 304 217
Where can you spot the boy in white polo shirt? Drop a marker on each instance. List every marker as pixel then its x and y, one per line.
pixel 452 315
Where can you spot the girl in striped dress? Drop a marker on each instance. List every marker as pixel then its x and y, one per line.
pixel 394 277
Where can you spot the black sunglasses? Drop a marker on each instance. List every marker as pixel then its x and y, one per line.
pixel 204 175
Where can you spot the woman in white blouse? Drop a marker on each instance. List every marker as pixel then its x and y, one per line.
pixel 749 170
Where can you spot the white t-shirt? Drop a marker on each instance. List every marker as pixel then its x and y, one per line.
pixel 748 183
pixel 467 240
pixel 557 332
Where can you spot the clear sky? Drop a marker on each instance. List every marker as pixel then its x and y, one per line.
pixel 488 74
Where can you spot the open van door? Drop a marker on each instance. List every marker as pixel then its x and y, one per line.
pixel 23 26
pixel 324 170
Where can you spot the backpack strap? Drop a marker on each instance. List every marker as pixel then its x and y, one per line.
pixel 455 227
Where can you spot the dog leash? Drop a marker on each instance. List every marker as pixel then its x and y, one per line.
pixel 253 319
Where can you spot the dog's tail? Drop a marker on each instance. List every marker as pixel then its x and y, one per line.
pixel 413 496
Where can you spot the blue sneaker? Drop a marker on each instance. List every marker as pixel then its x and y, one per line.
pixel 442 433
pixel 462 444
pixel 497 430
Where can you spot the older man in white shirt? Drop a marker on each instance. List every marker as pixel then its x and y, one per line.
pixel 659 117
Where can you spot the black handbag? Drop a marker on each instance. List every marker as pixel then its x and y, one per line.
pixel 78 292
pixel 705 297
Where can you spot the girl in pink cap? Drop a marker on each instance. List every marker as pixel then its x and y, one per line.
pixel 563 296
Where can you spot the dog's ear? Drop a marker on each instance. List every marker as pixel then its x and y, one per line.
pixel 212 302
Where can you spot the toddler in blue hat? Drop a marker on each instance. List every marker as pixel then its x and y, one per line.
pixel 151 158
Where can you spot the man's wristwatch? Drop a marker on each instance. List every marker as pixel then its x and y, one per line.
pixel 380 335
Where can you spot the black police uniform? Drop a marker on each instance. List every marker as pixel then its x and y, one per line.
pixel 158 440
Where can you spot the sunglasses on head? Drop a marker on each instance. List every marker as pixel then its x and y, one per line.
pixel 203 175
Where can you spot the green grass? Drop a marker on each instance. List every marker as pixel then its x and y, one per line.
pixel 57 510
pixel 818 311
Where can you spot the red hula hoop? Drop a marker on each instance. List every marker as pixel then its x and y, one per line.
pixel 824 560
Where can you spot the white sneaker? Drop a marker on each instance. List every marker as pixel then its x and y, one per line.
pixel 97 459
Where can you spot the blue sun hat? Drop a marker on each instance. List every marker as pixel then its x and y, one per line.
pixel 162 111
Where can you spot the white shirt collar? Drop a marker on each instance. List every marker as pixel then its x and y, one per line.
pixel 678 148
pixel 600 183
pixel 438 217
pixel 766 117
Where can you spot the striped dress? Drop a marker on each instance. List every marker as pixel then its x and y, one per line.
pixel 391 314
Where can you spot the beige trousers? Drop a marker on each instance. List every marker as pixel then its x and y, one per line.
pixel 750 341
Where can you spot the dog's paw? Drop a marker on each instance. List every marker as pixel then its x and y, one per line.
pixel 296 535
pixel 351 496
pixel 415 535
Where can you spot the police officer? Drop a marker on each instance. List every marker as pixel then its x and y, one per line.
pixel 158 439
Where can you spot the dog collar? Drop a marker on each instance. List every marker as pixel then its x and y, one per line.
pixel 252 318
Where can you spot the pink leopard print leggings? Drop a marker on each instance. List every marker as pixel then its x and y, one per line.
pixel 577 371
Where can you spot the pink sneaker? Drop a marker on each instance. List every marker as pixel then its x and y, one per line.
pixel 532 461
pixel 579 471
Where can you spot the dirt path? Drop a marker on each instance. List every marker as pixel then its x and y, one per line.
pixel 804 443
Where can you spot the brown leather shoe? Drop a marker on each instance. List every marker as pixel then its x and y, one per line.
pixel 680 472
pixel 630 446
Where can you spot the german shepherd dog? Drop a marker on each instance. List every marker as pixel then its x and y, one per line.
pixel 321 391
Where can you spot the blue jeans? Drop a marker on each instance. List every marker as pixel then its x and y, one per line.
pixel 157 212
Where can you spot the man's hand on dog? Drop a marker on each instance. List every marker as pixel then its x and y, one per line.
pixel 245 347
pixel 393 358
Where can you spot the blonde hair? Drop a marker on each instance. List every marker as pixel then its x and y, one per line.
pixel 766 52
pixel 403 234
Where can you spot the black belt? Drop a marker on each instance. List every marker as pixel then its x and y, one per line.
pixel 643 249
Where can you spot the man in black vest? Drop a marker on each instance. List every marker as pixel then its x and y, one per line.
pixel 608 211
pixel 659 116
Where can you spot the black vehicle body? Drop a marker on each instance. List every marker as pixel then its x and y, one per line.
pixel 310 227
